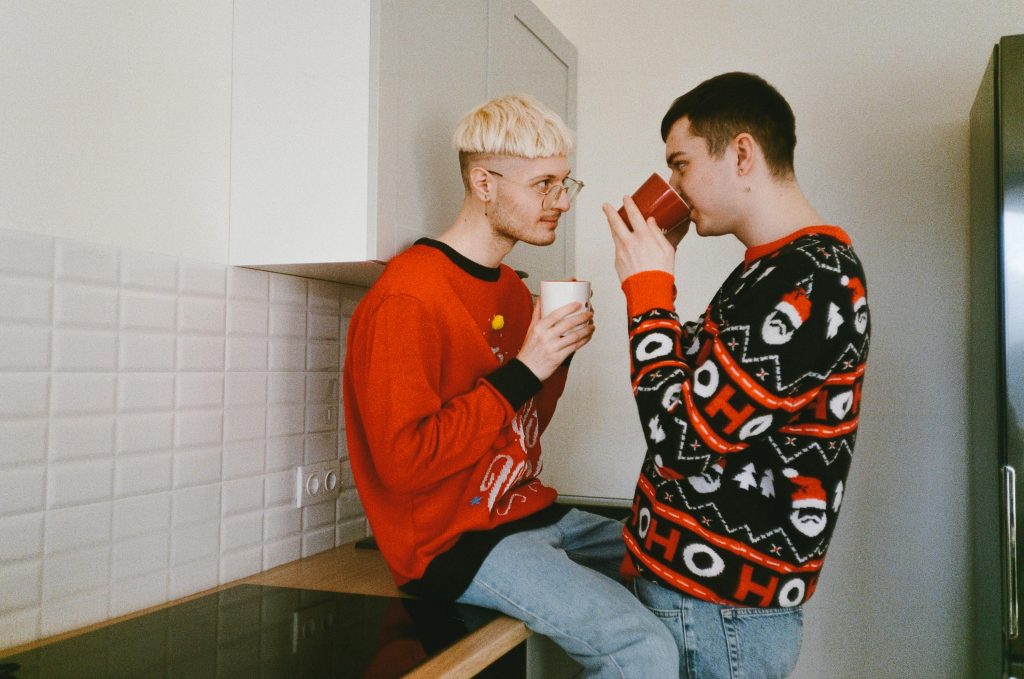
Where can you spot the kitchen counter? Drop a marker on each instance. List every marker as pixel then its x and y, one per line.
pixel 362 571
pixel 303 585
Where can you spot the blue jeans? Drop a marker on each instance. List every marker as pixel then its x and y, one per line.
pixel 726 642
pixel 563 582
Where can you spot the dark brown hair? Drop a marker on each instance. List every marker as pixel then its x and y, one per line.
pixel 732 103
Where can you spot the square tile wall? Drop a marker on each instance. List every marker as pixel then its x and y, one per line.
pixel 152 412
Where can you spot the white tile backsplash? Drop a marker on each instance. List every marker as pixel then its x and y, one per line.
pixel 87 262
pixel 201 316
pixel 25 347
pixel 287 322
pixel 22 441
pixel 140 555
pixel 322 356
pixel 84 305
pixel 194 576
pixel 78 483
pixel 22 490
pixel 21 537
pixel 197 466
pixel 24 394
pixel 242 495
pixel 199 390
pixel 152 413
pixel 148 311
pixel 148 271
pixel 25 299
pixel 284 419
pixel 201 354
pixel 81 437
pixel 84 350
pixel 79 393
pixel 287 387
pixel 78 527
pixel 137 433
pixel 248 284
pixel 131 594
pixel 75 572
pixel 323 326
pixel 287 355
pixel 26 253
pixel 142 474
pixel 243 458
pixel 241 531
pixel 198 428
pixel 146 352
pixel 289 290
pixel 247 318
pixel 20 626
pixel 142 514
pixel 245 423
pixel 59 615
pixel 195 542
pixel 192 505
pixel 242 389
pixel 21 584
pixel 246 354
pixel 325 296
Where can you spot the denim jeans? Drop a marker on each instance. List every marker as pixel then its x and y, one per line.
pixel 563 582
pixel 726 642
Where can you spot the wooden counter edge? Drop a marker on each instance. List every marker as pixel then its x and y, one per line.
pixel 471 655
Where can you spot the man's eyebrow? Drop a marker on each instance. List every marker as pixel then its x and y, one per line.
pixel 674 158
pixel 549 176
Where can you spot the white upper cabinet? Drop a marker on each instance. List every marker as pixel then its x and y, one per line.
pixel 342 116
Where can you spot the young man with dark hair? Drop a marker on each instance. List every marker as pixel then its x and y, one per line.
pixel 750 413
pixel 451 376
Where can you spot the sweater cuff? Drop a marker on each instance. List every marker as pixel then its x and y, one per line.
pixel 515 382
pixel 649 290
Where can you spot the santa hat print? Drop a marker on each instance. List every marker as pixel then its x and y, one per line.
pixel 808 494
pixel 796 306
pixel 856 291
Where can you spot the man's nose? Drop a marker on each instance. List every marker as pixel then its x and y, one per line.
pixel 563 204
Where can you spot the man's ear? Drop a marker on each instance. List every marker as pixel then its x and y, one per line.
pixel 746 151
pixel 481 184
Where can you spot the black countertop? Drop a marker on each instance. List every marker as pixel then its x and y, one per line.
pixel 252 631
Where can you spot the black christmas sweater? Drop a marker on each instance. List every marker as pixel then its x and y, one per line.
pixel 750 417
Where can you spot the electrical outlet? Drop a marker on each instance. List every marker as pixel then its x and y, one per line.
pixel 317 482
pixel 312 626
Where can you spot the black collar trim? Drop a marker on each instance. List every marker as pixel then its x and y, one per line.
pixel 484 273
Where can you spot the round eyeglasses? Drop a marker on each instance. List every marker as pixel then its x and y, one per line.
pixel 553 193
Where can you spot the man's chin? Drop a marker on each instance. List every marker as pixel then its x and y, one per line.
pixel 546 239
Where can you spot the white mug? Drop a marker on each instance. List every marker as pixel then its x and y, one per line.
pixel 556 294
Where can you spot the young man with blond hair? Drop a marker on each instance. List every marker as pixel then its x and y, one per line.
pixel 451 376
pixel 750 414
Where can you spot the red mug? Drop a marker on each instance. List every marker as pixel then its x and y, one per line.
pixel 655 198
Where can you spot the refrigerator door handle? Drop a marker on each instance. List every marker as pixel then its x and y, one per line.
pixel 1010 526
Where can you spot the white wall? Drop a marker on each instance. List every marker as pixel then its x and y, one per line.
pixel 882 93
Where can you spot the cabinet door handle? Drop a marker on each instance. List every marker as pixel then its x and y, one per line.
pixel 1010 526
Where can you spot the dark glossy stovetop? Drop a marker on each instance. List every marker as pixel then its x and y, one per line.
pixel 251 632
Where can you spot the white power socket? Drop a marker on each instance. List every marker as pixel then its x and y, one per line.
pixel 317 482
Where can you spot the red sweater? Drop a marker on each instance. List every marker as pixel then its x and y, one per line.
pixel 443 424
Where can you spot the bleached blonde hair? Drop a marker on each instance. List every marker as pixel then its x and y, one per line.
pixel 514 125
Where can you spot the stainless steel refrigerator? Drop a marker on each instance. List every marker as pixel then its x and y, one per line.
pixel 996 377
